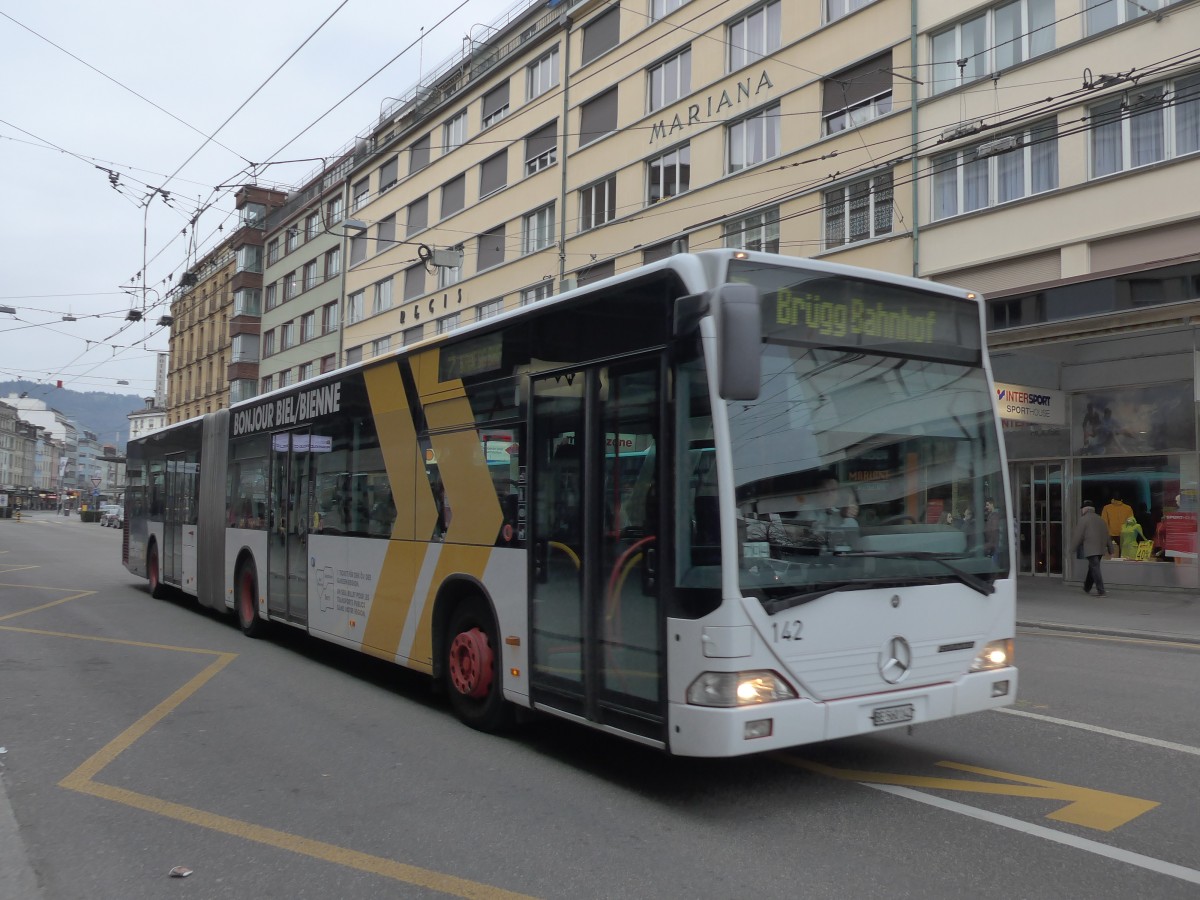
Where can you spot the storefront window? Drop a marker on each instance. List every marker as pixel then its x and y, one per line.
pixel 1122 422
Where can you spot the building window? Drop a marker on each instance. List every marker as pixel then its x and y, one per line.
pixel 312 226
pixel 446 324
pixel 493 173
pixel 329 318
pixel 418 154
pixel 387 174
pixel 358 249
pixel 490 249
pixel 991 41
pixel 661 8
pixel 757 231
pixel 598 203
pixel 361 193
pixel 418 215
pixel 333 262
pixel 291 286
pixel 412 335
pixel 1104 14
pixel 666 248
pixel 454 195
pixel 495 104
pixel 273 252
pixel 328 363
pixel 354 355
pixel 859 210
pixel 489 309
pixel 837 9
pixel 381 345
pixel 247 302
pixel 333 211
pixel 305 371
pixel 383 297
pixel 308 326
pixel 670 174
pixel 268 382
pixel 293 237
pixel 541 75
pixel 249 258
pixel 354 307
pixel 454 132
pixel 1144 126
pixel 996 171
pixel 538 229
pixel 541 148
pixel 669 80
pixel 601 34
pixel 414 281
pixel 533 294
pixel 310 275
pixel 856 95
pixel 755 35
pixel 598 117
pixel 385 234
pixel 287 335
pixel 596 272
pixel 753 139
pixel 448 275
pixel 272 295
pixel 244 348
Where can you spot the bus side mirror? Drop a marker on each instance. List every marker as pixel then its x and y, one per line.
pixel 738 310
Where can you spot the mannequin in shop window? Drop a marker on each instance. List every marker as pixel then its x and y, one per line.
pixel 1131 536
pixel 1114 514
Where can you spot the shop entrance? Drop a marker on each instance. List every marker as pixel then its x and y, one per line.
pixel 1038 502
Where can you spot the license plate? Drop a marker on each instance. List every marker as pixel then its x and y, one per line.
pixel 890 715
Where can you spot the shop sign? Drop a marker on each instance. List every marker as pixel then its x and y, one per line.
pixel 1023 403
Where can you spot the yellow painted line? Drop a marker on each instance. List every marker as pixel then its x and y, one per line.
pixel 1110 638
pixel 5 569
pixel 81 781
pixel 33 609
pixel 1090 808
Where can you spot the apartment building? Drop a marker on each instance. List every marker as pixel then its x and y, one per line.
pixel 1036 150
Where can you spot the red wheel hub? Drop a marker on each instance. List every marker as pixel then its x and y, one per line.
pixel 247 598
pixel 471 663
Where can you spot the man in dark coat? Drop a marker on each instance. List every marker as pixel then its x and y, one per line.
pixel 1091 535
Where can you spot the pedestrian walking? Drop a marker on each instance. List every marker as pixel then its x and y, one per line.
pixel 1091 538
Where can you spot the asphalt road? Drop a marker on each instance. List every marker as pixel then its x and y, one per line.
pixel 141 735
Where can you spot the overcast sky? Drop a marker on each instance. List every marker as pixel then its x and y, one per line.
pixel 70 115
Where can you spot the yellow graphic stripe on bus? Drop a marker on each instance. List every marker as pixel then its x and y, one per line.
pixel 401 455
pixel 432 392
pixel 474 515
pixel 393 596
pixel 455 559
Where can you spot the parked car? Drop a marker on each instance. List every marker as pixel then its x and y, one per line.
pixel 112 514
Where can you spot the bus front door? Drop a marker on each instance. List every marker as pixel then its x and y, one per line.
pixel 596 610
pixel 287 554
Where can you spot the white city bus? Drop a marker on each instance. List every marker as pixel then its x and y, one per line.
pixel 724 503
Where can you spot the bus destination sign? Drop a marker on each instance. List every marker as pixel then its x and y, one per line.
pixel 289 410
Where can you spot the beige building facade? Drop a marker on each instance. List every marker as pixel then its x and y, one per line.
pixel 1040 151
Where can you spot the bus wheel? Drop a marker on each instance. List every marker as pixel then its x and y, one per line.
pixel 157 591
pixel 472 668
pixel 247 601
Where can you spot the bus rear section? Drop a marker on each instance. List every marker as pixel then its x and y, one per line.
pixel 859 577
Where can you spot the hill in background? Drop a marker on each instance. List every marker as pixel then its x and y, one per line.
pixel 96 411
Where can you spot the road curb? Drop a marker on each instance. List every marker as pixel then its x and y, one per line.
pixel 1112 632
pixel 17 878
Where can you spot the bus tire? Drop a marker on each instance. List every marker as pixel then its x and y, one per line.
pixel 246 600
pixel 157 590
pixel 472 667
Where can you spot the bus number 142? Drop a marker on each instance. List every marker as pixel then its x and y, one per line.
pixel 787 631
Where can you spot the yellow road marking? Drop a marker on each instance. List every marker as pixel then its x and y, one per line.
pixel 6 568
pixel 81 781
pixel 1090 808
pixel 33 609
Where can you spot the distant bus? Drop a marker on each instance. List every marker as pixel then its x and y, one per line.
pixel 707 505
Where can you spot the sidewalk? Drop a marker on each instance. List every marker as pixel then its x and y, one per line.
pixel 1049 602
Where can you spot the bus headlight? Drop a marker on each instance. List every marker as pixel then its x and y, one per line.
pixel 730 689
pixel 994 655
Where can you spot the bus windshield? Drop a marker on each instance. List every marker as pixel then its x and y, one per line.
pixel 871 457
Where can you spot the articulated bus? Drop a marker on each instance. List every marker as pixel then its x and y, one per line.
pixel 724 503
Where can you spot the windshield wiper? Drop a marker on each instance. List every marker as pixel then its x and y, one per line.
pixel 779 604
pixel 970 579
